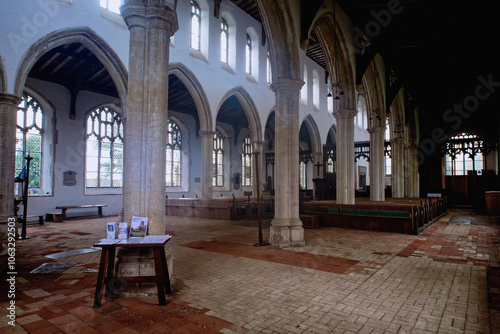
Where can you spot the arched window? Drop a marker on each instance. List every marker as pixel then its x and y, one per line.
pixel 29 138
pixel 248 54
pixel 104 149
pixel 360 118
pixel 303 90
pixel 269 72
pixel 388 160
pixel 463 154
pixel 174 147
pixel 224 41
pixel 195 25
pixel 218 157
pixel 315 89
pixel 246 162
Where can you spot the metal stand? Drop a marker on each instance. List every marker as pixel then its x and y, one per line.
pixel 25 197
pixel 259 209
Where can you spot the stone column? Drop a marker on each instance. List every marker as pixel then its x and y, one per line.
pixel 346 173
pixel 286 229
pixel 8 103
pixel 207 164
pixel 412 190
pixel 377 163
pixel 151 23
pixel 398 171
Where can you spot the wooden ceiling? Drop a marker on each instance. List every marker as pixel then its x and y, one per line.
pixel 76 68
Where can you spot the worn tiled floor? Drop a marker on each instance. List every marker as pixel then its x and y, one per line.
pixel 342 281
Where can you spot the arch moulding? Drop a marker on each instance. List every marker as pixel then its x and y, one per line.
pixel 87 37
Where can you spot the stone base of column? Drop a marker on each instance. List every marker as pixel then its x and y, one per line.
pixel 139 262
pixel 282 236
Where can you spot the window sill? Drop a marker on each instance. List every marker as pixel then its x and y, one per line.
pixel 226 68
pixel 251 79
pixel 102 191
pixel 113 17
pixel 197 54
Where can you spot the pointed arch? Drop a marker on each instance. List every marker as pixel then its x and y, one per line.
pixel 332 41
pixel 278 24
pixel 315 137
pixel 250 110
pixel 374 95
pixel 87 37
pixel 332 132
pixel 188 78
pixel 397 116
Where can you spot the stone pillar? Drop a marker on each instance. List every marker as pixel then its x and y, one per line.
pixel 398 168
pixel 151 23
pixel 286 229
pixel 7 167
pixel 346 173
pixel 412 180
pixel 207 164
pixel 377 163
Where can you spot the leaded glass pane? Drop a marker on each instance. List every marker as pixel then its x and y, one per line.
pixel 104 149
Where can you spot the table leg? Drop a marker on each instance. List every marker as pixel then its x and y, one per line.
pixel 160 280
pixel 166 276
pixel 99 211
pixel 63 212
pixel 110 272
pixel 100 276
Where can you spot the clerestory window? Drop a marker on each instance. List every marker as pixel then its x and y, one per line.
pixel 195 25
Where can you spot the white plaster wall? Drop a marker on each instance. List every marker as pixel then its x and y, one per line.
pixel 23 22
pixel 69 153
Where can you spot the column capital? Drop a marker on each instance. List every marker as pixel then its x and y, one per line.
pixel 398 140
pixel 257 146
pixel 207 133
pixel 376 129
pixel 345 114
pixel 6 98
pixel 287 85
pixel 150 16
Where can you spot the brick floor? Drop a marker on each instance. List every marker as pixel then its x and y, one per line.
pixel 445 280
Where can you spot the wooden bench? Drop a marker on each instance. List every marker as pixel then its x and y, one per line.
pixel 64 208
pixel 39 221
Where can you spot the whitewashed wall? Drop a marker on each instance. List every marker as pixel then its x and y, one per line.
pixel 24 22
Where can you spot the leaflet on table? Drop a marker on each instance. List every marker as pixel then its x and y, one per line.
pixel 107 242
pixel 132 240
pixel 155 239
